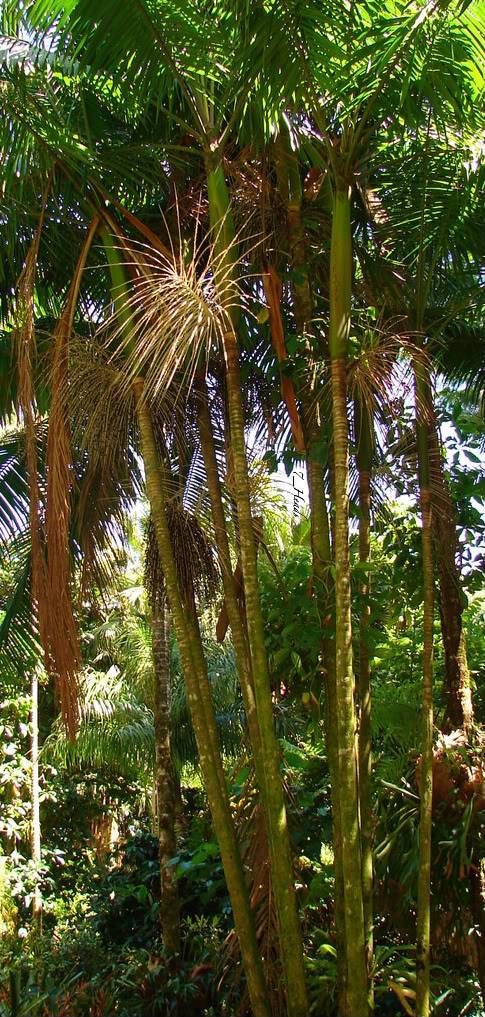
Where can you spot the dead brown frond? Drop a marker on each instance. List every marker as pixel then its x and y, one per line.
pixel 172 312
pixel 24 351
pixel 272 289
pixel 194 556
pixel 379 372
pixel 63 639
pixel 103 433
pixel 251 829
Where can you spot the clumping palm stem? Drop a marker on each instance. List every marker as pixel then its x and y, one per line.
pixel 271 786
pixel 289 185
pixel 164 775
pixel 198 693
pixel 340 310
pixel 35 797
pixel 235 620
pixel 365 445
pixel 426 774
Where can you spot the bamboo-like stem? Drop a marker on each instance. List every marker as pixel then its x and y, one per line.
pixel 239 636
pixel 364 438
pixel 426 775
pixel 339 328
pixel 197 683
pixel 289 185
pixel 271 787
pixel 198 693
pixel 457 682
pixel 323 592
pixel 165 790
pixel 476 880
pixel 35 797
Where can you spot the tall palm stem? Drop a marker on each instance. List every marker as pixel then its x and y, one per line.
pixel 205 728
pixel 195 675
pixel 35 796
pixel 457 683
pixel 339 329
pixel 426 777
pixel 165 790
pixel 476 881
pixel 290 189
pixel 271 786
pixel 364 438
pixel 239 635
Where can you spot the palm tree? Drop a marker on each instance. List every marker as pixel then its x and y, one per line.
pixel 347 77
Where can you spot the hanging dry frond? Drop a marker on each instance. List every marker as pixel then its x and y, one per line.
pixel 194 557
pixel 24 351
pixel 63 639
pixel 379 373
pixel 272 289
pixel 109 477
pixel 251 829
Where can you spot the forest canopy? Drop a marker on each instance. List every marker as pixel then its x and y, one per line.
pixel 242 488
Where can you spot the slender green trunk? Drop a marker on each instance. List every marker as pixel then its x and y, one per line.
pixel 364 438
pixel 271 786
pixel 426 776
pixel 289 185
pixel 35 798
pixel 196 680
pixel 205 728
pixel 323 591
pixel 457 682
pixel 476 881
pixel 340 310
pixel 239 635
pixel 165 790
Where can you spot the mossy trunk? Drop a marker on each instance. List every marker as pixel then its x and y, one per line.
pixel 426 776
pixel 165 785
pixel 270 781
pixel 364 440
pixel 205 728
pixel 339 329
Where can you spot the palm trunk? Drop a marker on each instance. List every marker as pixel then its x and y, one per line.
pixel 365 444
pixel 476 880
pixel 205 728
pixel 323 591
pixel 197 683
pixel 457 683
pixel 239 635
pixel 169 898
pixel 289 185
pixel 426 777
pixel 35 798
pixel 271 786
pixel 340 310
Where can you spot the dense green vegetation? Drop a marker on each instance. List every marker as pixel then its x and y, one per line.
pixel 242 480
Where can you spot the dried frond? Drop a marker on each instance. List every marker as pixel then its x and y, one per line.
pixel 253 839
pixel 272 289
pixel 379 373
pixel 109 473
pixel 194 557
pixel 63 639
pixel 24 343
pixel 178 309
